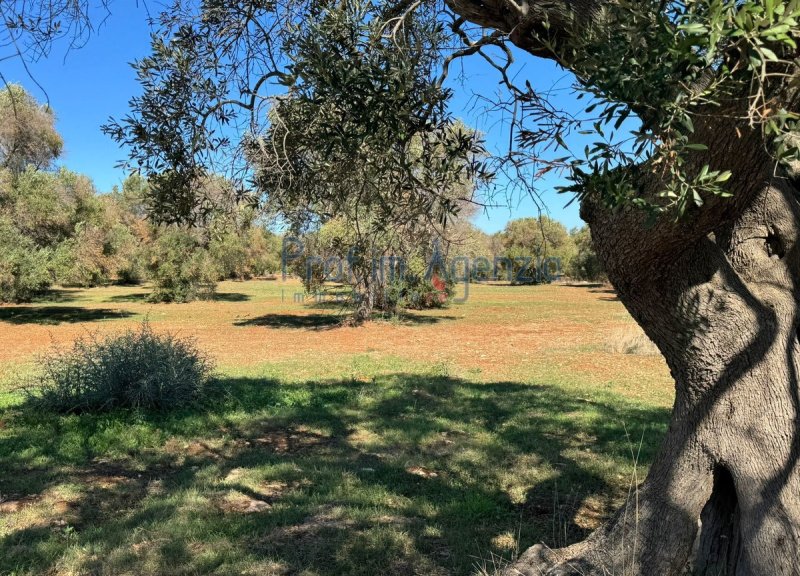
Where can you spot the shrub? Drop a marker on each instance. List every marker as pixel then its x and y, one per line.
pixel 585 265
pixel 24 268
pixel 265 251
pixel 137 369
pixel 180 268
pixel 82 260
pixel 48 205
pixel 415 292
pixel 243 254
pixel 129 264
pixel 231 256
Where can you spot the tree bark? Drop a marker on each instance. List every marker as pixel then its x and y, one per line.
pixel 723 495
pixel 718 293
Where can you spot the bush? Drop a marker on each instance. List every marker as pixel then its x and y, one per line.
pixel 138 369
pixel 231 256
pixel 265 251
pixel 129 261
pixel 180 268
pixel 82 260
pixel 586 265
pixel 48 205
pixel 24 268
pixel 415 292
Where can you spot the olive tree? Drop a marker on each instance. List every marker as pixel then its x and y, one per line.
pixel 697 228
pixel 28 137
pixel 365 213
pixel 585 265
pixel 384 192
pixel 535 249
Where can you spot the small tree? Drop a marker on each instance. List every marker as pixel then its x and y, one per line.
pixel 585 265
pixel 467 240
pixel 231 255
pixel 131 230
pixel 264 251
pixel 179 267
pixel 240 242
pixel 28 137
pixel 533 249
pixel 24 267
pixel 382 223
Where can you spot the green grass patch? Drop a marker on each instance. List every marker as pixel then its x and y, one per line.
pixel 363 473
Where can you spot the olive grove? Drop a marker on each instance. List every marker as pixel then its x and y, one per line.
pixel 690 190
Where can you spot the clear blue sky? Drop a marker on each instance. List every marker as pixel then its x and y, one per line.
pixel 87 86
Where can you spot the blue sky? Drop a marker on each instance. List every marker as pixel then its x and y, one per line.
pixel 87 86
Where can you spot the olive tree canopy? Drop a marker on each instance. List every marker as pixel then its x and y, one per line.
pixel 28 136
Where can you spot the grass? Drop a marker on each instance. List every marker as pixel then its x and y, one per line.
pixel 632 340
pixel 402 447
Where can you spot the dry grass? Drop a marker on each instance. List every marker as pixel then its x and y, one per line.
pixel 501 332
pixel 632 340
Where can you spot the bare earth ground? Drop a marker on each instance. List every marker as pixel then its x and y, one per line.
pixel 500 331
pixel 439 443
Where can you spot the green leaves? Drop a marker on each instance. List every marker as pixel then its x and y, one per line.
pixel 670 66
pixel 28 136
pixel 362 117
pixel 694 28
pixel 365 125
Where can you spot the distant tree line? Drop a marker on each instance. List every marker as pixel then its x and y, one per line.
pixel 56 229
pixel 415 271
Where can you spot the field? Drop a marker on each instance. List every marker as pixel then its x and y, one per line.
pixel 434 444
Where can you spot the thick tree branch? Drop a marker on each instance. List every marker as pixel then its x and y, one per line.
pixel 541 28
pixel 549 29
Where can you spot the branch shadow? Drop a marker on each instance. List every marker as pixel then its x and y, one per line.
pixel 409 474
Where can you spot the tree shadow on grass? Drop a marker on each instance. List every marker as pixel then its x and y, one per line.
pixel 586 285
pixel 596 288
pixel 133 297
pixel 319 321
pixel 612 294
pixel 332 304
pixel 216 297
pixel 406 474
pixel 306 321
pixel 411 318
pixel 229 297
pixel 57 295
pixel 52 315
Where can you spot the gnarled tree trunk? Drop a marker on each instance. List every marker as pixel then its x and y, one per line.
pixel 723 495
pixel 718 293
